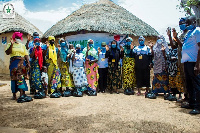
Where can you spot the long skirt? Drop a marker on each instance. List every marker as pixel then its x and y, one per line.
pixel 176 81
pixel 53 76
pixel 129 77
pixel 143 77
pixel 160 83
pixel 114 77
pixel 79 77
pixel 15 63
pixel 66 77
pixel 92 75
pixel 35 75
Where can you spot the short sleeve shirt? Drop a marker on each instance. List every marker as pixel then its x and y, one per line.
pixel 102 62
pixel 190 46
pixel 18 49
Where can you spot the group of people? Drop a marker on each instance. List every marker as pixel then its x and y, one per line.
pixel 113 66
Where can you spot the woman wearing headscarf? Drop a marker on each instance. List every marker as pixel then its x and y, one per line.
pixel 143 59
pixel 160 80
pixel 53 70
pixel 175 78
pixel 91 66
pixel 114 54
pixel 36 67
pixel 79 75
pixel 66 77
pixel 128 69
pixel 19 63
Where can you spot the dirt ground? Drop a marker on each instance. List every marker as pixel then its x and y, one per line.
pixel 111 113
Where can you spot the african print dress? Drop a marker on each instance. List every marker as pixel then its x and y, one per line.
pixel 91 68
pixel 35 73
pixel 66 77
pixel 114 80
pixel 52 69
pixel 79 75
pixel 18 67
pixel 128 69
pixel 175 79
pixel 160 82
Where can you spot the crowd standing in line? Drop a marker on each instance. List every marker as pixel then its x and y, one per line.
pixel 176 67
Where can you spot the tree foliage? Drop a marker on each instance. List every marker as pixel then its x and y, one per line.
pixel 187 5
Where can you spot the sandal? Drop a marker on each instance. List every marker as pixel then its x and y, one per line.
pixel 139 94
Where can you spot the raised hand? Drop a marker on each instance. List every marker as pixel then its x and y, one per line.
pixel 132 46
pixel 47 43
pixel 121 48
pixel 163 48
pixel 150 44
pixel 12 41
pixel 175 34
pixel 107 48
pixel 168 31
pixel 29 37
pixel 59 48
pixel 99 50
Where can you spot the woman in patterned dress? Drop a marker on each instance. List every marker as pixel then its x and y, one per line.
pixel 114 54
pixel 91 66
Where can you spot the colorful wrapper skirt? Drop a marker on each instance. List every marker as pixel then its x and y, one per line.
pixel 15 62
pixel 79 76
pixel 160 83
pixel 114 76
pixel 92 75
pixel 53 76
pixel 35 75
pixel 176 81
pixel 129 77
pixel 66 77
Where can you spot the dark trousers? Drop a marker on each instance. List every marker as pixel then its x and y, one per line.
pixel 103 78
pixel 192 85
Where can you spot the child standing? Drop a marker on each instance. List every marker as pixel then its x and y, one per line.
pixel 44 78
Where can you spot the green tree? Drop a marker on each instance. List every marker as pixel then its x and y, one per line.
pixel 191 6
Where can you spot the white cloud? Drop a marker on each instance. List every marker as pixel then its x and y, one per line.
pixel 160 14
pixel 43 19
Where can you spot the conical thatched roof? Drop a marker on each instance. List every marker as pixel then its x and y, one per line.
pixel 102 16
pixel 18 24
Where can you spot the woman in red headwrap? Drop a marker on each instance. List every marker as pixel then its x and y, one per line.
pixel 19 63
pixel 36 67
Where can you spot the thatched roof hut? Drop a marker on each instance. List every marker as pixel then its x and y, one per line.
pixel 7 28
pixel 17 24
pixel 102 16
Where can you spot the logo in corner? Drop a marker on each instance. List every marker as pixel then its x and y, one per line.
pixel 8 10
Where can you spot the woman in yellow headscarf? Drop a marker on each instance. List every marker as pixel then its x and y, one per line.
pixel 53 70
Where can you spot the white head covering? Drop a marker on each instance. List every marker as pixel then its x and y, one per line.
pixel 164 43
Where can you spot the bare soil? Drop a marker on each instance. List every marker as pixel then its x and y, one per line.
pixel 103 113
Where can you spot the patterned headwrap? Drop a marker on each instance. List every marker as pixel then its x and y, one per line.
pixel 90 41
pixel 17 34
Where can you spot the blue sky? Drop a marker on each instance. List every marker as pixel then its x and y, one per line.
pixel 160 14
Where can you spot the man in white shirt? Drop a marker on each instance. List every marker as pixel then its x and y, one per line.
pixel 191 60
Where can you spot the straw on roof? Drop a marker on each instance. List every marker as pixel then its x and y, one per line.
pixel 18 24
pixel 102 16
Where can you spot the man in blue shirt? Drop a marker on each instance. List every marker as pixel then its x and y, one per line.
pixel 191 60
